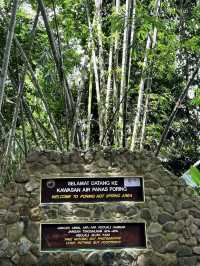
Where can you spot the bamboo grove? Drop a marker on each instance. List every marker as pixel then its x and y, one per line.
pixel 84 73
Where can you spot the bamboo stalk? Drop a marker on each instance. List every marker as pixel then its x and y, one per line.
pixel 123 85
pixel 57 59
pixel 19 94
pixel 98 20
pixel 89 109
pixel 23 131
pixel 145 114
pixel 142 81
pixel 44 100
pixel 6 57
pixel 97 81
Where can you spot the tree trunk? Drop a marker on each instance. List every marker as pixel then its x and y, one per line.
pixel 9 39
pixel 98 5
pixel 145 114
pixel 31 122
pixel 89 106
pixel 20 92
pixel 109 88
pixel 115 82
pixel 75 140
pixel 99 103
pixel 148 91
pixel 142 82
pixel 97 81
pixel 140 96
pixel 116 65
pixel 38 89
pixel 35 127
pixel 24 131
pixel 123 86
pixel 131 42
pixel 57 59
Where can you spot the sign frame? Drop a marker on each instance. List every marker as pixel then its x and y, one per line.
pixel 88 177
pixel 69 250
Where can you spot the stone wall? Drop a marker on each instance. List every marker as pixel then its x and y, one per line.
pixel 170 211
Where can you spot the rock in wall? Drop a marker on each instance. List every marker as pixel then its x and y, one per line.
pixel 171 212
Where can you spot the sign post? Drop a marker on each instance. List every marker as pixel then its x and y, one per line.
pixel 59 237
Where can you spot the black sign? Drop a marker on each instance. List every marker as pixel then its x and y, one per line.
pixel 61 237
pixel 92 189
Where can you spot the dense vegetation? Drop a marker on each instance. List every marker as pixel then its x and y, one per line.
pixel 82 73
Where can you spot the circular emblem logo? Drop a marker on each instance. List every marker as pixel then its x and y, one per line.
pixel 51 184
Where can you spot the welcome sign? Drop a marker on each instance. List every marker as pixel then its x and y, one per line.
pixel 92 189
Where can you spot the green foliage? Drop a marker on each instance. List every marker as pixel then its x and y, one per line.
pixel 196 100
pixel 195 174
pixel 169 66
pixel 116 20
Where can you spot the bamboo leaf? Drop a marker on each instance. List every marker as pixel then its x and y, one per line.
pixel 195 174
